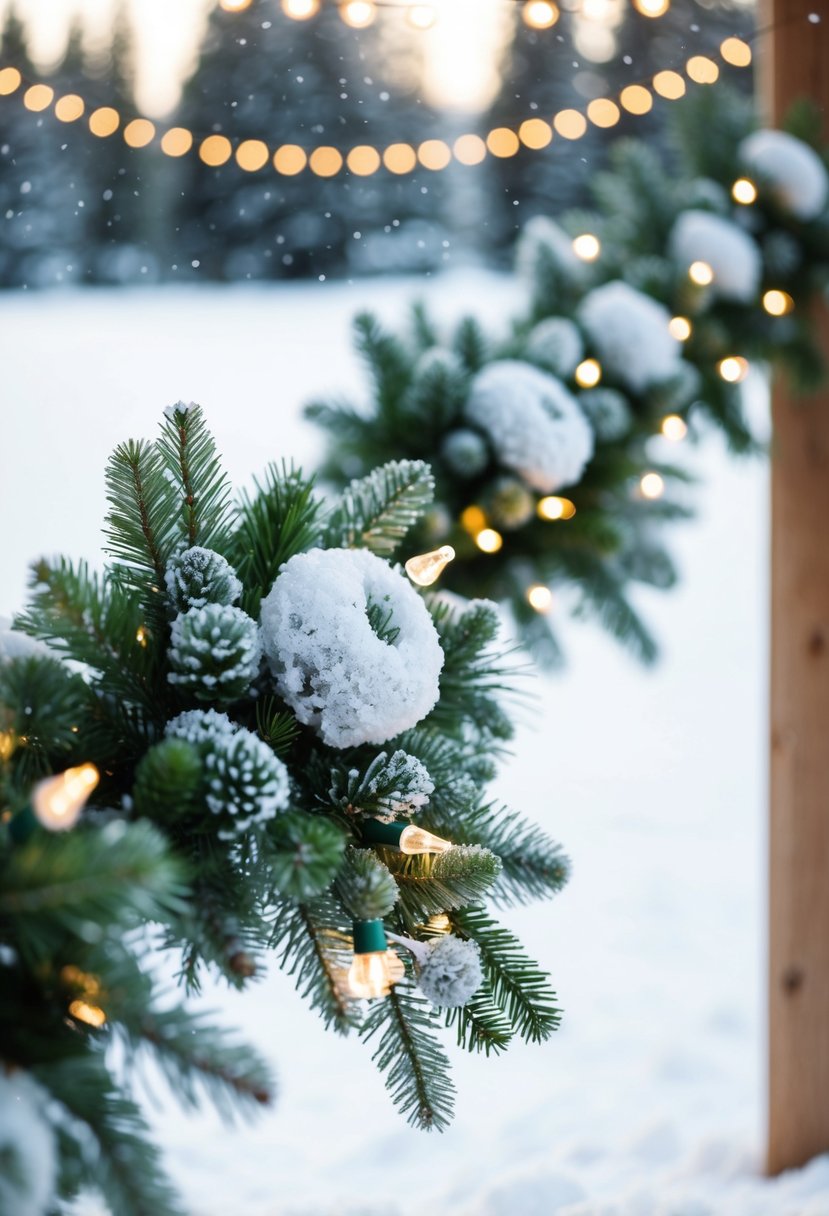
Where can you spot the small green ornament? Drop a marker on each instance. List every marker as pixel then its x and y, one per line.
pixel 199 576
pixel 214 653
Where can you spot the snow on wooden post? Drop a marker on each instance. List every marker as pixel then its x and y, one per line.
pixel 794 62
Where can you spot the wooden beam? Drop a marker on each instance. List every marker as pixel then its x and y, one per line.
pixel 794 63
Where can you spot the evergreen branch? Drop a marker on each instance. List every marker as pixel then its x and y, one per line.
pixel 188 452
pixel 480 1024
pixel 364 886
pixel 416 1065
pixel 376 512
pixel 313 944
pixel 303 853
pixel 430 883
pixel 519 987
pixel 141 520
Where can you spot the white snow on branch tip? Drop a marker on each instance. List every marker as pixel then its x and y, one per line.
pixel 331 666
pixel 700 236
pixel 179 407
pixel 27 1147
pixel 533 423
pixel 792 170
pixel 629 333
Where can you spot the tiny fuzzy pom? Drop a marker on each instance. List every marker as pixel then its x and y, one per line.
pixel 449 971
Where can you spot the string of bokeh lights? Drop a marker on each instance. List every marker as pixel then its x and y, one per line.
pixel 362 160
pixel 359 14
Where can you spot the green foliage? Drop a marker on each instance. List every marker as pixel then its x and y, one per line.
pixel 188 455
pixel 431 883
pixel 279 519
pixel 313 944
pixel 376 512
pixel 168 780
pixel 365 887
pixel 40 706
pixel 407 1050
pixel 140 525
pixel 303 853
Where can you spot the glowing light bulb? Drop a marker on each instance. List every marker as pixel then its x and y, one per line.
pixel 141 635
pixel 58 801
pixel 37 97
pixel 744 191
pixel 701 273
pixel 473 519
pixel 736 52
pixel 92 1015
pixel 104 121
pixel 777 303
pixel 10 79
pixel 674 428
pixel 733 368
pixel 8 742
pixel 540 598
pixel 300 10
pixel 234 6
pixel 421 16
pixel 588 373
pixel 652 485
pixel 374 967
pixel 488 540
pixel 358 13
pixel 679 328
pixel 652 8
pixel 427 568
pixel 440 922
pixel 69 108
pixel 414 840
pixel 587 247
pixel 552 507
pixel 540 14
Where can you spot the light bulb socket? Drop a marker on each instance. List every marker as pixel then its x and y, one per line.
pixel 369 937
pixel 375 832
pixel 23 825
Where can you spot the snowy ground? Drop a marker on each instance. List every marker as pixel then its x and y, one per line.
pixel 649 1100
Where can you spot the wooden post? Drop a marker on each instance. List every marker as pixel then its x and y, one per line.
pixel 794 63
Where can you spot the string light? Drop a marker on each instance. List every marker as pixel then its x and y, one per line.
pixel 421 16
pixel 488 540
pixel 440 923
pixel 587 247
pixel 409 838
pixel 139 133
pixel 300 10
pixel 701 273
pixel 652 485
pixel 426 568
pixel 473 519
pixel 502 142
pixel 736 52
pixel 10 81
pixel 603 112
pixel 235 6
pixel 540 598
pixel 680 328
pixel 777 303
pixel 674 428
pixel 469 149
pixel 141 636
pixel 37 97
pixel 400 158
pixel 434 154
pixel 669 85
pixel 588 373
pixel 290 159
pixel 540 14
pixel 733 368
pixel 252 155
pixel 570 124
pixel 325 162
pixel 104 121
pixel 176 142
pixel 375 967
pixel 552 507
pixel 363 160
pixel 535 133
pixel 58 801
pixel 636 99
pixel 652 8
pixel 358 13
pixel 69 108
pixel 92 1015
pixel 702 70
pixel 744 191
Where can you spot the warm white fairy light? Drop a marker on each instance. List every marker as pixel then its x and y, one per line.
pixel 426 568
pixel 234 6
pixel 733 368
pixel 372 975
pixel 488 540
pixel 421 16
pixel 777 303
pixel 701 273
pixel 652 485
pixel 674 428
pixel 415 840
pixel 540 14
pixel 58 801
pixel 552 508
pixel 588 373
pixel 91 1015
pixel 300 10
pixel 744 191
pixel 540 598
pixel 652 8
pixel 358 13
pixel 473 519
pixel 679 328
pixel 587 246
